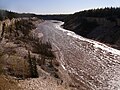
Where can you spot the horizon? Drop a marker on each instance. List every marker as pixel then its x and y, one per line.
pixel 45 7
pixel 55 13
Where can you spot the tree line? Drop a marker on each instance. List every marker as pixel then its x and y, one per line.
pixel 101 12
pixel 4 14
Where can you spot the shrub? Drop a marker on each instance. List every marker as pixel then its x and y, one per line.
pixel 24 26
pixel 45 49
pixel 32 66
pixel 17 66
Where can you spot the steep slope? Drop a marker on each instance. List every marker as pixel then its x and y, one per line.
pixel 99 24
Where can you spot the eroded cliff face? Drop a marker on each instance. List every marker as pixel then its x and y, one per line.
pixel 100 29
pixel 90 64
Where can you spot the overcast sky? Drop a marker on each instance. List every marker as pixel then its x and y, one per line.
pixel 55 6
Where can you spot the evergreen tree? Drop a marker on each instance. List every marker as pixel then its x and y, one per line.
pixel 32 66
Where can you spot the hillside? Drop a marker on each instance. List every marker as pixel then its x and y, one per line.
pixel 5 14
pixel 98 24
pixel 26 62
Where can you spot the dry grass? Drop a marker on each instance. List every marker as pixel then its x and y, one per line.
pixel 6 83
pixel 17 66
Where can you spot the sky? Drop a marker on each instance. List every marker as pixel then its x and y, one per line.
pixel 55 6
